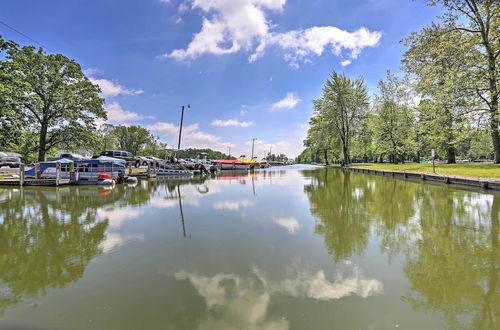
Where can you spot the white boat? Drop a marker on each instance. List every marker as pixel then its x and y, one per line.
pixel 169 171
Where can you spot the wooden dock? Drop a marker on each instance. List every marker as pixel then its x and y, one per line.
pixel 446 179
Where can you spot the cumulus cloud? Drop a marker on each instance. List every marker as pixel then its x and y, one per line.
pixel 345 63
pixel 110 88
pixel 289 102
pixel 231 122
pixel 230 26
pixel 118 115
pixel 192 136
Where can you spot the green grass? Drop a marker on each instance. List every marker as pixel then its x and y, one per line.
pixel 476 170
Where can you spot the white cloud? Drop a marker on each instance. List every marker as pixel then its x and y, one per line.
pixel 192 137
pixel 289 102
pixel 232 25
pixel 118 115
pixel 110 88
pixel 243 112
pixel 345 63
pixel 231 122
pixel 290 224
pixel 183 8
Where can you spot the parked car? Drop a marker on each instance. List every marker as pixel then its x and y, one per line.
pixel 143 160
pixel 10 159
pixel 125 155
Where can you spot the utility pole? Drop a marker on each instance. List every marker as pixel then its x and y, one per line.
pixel 253 143
pixel 180 127
pixel 229 151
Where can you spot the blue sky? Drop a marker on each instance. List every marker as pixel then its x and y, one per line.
pixel 248 68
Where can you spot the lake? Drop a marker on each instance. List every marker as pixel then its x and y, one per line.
pixel 296 247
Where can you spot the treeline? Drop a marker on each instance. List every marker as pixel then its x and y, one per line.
pixel 447 98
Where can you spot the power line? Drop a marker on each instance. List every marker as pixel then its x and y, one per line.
pixel 24 35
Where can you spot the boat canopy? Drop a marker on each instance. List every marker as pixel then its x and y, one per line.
pixel 111 160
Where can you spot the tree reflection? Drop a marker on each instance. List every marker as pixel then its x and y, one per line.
pixel 43 245
pixel 449 237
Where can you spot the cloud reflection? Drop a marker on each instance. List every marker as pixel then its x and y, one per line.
pixel 290 224
pixel 242 302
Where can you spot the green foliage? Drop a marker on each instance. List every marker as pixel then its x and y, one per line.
pixel 52 95
pixel 393 121
pixel 340 110
pixel 133 138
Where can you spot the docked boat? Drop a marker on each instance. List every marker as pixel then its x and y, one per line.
pixel 100 171
pixel 172 171
pixel 230 164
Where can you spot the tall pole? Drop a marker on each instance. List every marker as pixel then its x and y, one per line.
pixel 229 151
pixel 253 144
pixel 180 127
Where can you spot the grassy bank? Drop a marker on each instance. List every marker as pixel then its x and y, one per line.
pixel 476 170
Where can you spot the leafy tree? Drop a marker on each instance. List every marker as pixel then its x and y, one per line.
pixel 440 60
pixel 56 99
pixel 133 138
pixel 480 21
pixel 319 136
pixel 394 120
pixel 343 106
pixel 11 121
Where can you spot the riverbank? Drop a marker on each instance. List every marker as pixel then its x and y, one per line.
pixel 465 170
pixel 407 172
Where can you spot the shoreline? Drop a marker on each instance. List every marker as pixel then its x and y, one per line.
pixel 483 183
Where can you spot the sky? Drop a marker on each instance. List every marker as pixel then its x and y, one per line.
pixel 247 68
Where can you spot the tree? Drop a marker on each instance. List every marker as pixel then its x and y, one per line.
pixel 343 106
pixel 480 20
pixel 441 61
pixel 394 120
pixel 133 138
pixel 56 98
pixel 319 137
pixel 11 121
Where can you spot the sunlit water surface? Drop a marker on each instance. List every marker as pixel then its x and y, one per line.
pixel 285 248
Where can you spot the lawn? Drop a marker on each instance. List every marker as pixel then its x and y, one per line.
pixel 476 170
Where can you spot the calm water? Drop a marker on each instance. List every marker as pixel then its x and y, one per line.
pixel 294 248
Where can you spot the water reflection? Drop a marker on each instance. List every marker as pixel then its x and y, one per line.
pixel 44 242
pixel 449 237
pixel 274 249
pixel 243 302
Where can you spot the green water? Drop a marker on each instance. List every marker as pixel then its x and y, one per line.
pixel 289 248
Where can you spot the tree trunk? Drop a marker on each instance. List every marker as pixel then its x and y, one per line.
pixel 326 156
pixel 496 140
pixel 42 143
pixel 450 155
pixel 347 159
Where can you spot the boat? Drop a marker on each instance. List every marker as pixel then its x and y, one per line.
pixel 172 171
pixel 230 164
pixel 102 170
pixel 236 164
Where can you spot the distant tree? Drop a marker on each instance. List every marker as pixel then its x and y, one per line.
pixel 56 99
pixel 133 138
